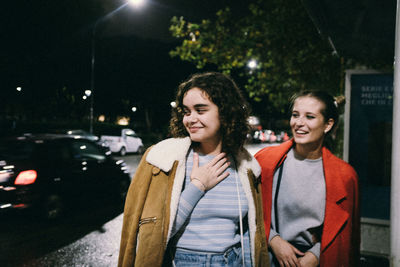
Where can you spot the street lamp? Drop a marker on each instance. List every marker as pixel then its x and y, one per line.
pixel 87 94
pixel 252 64
pixel 134 3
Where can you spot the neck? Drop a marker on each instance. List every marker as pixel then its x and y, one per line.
pixel 209 148
pixel 309 151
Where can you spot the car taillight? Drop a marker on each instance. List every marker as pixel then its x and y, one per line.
pixel 26 177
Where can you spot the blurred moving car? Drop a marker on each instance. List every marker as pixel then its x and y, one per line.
pixel 125 141
pixel 79 133
pixel 49 173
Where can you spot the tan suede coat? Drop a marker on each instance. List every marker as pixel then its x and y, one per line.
pixel 153 198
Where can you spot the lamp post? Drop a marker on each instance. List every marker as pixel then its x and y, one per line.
pixel 92 75
pixel 134 3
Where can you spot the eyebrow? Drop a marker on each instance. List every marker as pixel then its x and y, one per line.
pixel 307 113
pixel 198 106
pixel 312 113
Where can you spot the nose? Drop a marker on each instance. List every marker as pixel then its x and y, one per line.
pixel 192 118
pixel 299 120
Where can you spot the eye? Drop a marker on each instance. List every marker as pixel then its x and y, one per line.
pixel 310 117
pixel 186 112
pixel 201 110
pixel 295 115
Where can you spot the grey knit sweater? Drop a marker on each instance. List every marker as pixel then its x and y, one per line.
pixel 301 202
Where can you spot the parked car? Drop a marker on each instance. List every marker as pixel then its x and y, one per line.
pixel 282 137
pixel 125 142
pixel 257 136
pixel 49 173
pixel 270 136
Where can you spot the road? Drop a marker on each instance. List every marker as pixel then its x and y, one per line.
pixel 87 237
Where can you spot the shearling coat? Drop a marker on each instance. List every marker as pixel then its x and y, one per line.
pixel 153 198
pixel 340 241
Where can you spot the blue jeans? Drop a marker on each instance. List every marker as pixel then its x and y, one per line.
pixel 186 258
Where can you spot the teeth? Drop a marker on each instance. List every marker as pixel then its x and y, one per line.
pixel 300 132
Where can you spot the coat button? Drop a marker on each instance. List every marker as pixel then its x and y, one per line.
pixel 155 171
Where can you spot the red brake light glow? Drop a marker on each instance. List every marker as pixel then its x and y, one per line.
pixel 26 177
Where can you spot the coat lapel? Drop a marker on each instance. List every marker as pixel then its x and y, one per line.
pixel 270 159
pixel 163 155
pixel 335 216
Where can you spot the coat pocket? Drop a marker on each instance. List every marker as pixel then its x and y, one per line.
pixel 145 236
pixel 147 220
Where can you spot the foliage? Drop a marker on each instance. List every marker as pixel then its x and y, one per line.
pixel 277 34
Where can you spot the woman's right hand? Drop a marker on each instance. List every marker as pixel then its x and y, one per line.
pixel 285 253
pixel 210 174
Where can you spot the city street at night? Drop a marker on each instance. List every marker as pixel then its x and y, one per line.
pixel 88 85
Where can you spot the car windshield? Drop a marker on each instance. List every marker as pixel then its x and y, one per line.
pixel 76 132
pixel 83 149
pixel 130 133
pixel 16 149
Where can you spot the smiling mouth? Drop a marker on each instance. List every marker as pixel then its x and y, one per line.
pixel 300 132
pixel 194 129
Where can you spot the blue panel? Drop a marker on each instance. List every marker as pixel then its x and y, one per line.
pixel 370 140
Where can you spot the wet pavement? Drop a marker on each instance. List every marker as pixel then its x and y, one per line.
pixel 87 237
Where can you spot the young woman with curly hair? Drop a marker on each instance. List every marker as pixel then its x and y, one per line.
pixel 195 199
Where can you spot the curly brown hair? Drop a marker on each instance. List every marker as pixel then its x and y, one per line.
pixel 232 108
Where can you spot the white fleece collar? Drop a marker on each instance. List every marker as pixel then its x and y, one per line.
pixel 163 155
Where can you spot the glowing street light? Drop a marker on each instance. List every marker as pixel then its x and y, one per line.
pixel 19 88
pixel 134 109
pixel 252 64
pixel 136 3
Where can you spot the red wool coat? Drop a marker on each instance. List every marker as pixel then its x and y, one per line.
pixel 340 243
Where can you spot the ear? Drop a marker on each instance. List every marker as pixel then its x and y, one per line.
pixel 328 125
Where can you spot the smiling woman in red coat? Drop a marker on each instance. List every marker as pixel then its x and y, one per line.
pixel 310 196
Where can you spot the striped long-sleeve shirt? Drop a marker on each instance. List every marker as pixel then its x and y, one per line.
pixel 209 221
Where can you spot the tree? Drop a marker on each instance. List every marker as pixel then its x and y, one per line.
pixel 278 35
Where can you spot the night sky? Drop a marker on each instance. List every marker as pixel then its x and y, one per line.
pixel 46 46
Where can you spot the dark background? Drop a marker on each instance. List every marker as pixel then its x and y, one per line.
pixel 46 49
